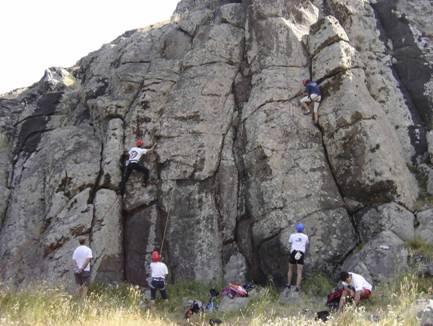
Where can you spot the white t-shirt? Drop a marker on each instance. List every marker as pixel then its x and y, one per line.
pixel 158 270
pixel 298 241
pixel 135 154
pixel 359 282
pixel 80 255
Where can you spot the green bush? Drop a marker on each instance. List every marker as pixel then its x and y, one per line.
pixel 421 247
pixel 317 284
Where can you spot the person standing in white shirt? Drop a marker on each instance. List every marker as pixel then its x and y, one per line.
pixel 355 286
pixel 158 273
pixel 135 154
pixel 82 257
pixel 299 242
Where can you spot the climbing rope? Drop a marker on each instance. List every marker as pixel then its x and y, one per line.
pixel 166 223
pixel 110 208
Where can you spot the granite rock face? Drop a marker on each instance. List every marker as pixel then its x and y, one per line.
pixel 237 164
pixel 390 217
pixel 380 258
pixel 425 227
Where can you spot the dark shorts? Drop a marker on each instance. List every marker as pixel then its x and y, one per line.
pixel 158 284
pixel 292 259
pixel 82 278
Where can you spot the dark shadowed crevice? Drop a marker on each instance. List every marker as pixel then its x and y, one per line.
pixel 244 223
pixel 326 8
pixel 220 218
pixel 33 116
pixel 32 128
pixel 411 69
pixel 94 190
pixel 123 214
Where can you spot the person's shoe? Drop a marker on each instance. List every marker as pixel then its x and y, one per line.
pixel 297 289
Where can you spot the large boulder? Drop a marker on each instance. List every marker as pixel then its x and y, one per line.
pixel 353 123
pixel 392 217
pixel 380 259
pixel 324 33
pixel 235 271
pixel 424 228
pixel 362 147
pixel 50 202
pixel 332 59
pixel 375 48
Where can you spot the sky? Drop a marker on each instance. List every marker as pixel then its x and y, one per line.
pixel 37 34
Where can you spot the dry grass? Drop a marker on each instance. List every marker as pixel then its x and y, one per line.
pixel 124 305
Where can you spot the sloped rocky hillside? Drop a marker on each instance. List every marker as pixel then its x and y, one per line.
pixel 237 164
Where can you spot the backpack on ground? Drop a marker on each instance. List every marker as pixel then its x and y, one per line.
pixel 322 315
pixel 333 298
pixel 237 290
pixel 211 304
pixel 248 286
pixel 195 307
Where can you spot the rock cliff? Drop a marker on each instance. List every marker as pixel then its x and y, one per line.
pixel 237 164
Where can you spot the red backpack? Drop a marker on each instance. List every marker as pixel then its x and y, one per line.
pixel 334 297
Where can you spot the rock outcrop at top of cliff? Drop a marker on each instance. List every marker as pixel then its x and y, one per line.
pixel 237 164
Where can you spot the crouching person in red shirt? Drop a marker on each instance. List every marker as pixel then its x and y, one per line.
pixel 355 286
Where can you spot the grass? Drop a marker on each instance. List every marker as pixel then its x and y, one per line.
pixel 123 304
pixel 318 284
pixel 420 247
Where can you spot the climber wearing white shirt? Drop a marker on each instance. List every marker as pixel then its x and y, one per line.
pixel 299 242
pixel 356 286
pixel 133 163
pixel 82 257
pixel 158 273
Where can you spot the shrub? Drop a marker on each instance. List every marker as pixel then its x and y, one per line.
pixel 421 247
pixel 317 284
